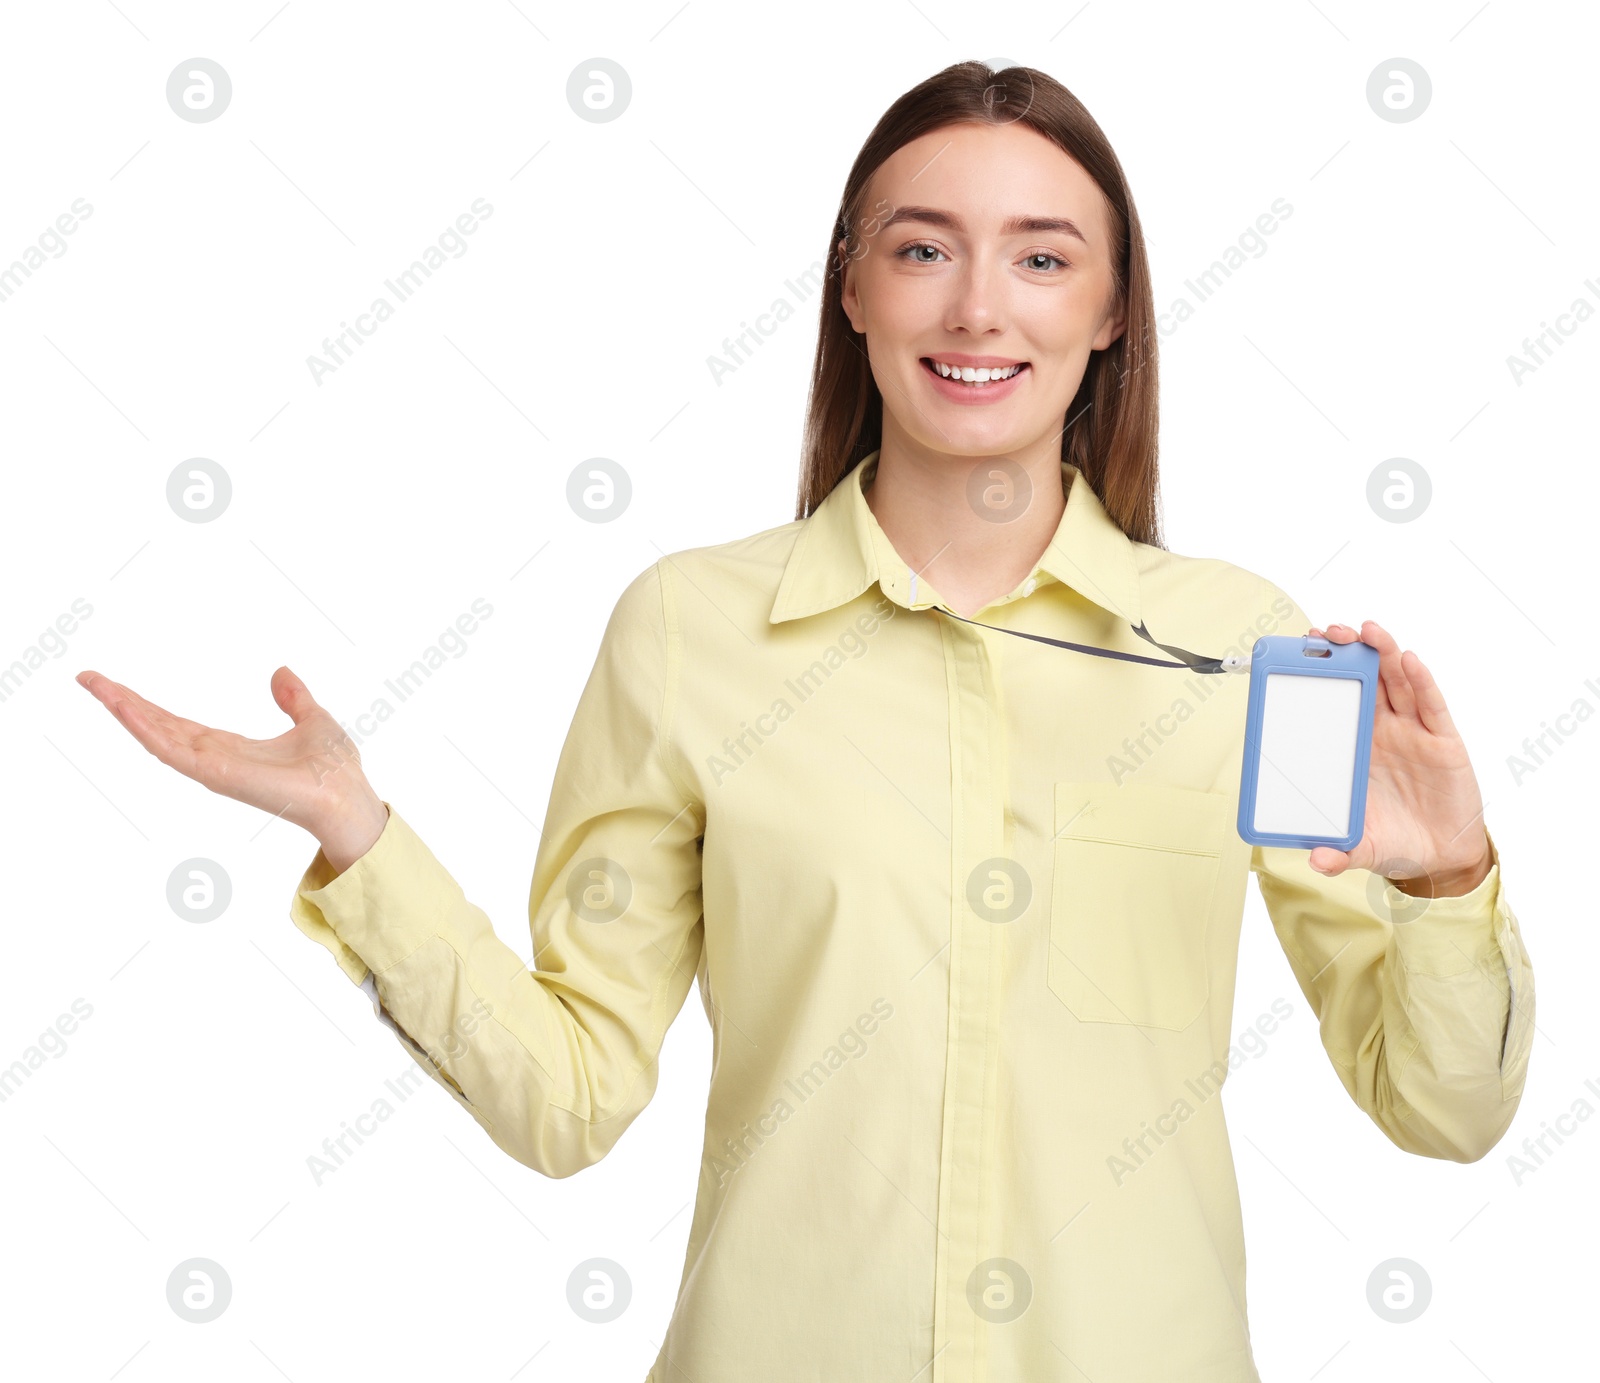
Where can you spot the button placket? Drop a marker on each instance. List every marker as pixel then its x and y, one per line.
pixel 971 1054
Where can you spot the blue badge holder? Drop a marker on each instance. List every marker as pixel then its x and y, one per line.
pixel 1307 742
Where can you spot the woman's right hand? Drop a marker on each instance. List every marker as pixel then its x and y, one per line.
pixel 310 775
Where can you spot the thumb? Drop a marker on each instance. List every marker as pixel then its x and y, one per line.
pixel 1326 860
pixel 292 695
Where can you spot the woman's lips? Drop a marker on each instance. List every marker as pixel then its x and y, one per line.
pixel 959 392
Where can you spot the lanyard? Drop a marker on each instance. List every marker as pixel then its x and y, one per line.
pixel 1235 662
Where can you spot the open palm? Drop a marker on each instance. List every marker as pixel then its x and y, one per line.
pixel 310 775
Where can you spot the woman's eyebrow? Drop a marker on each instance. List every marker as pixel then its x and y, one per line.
pixel 1016 225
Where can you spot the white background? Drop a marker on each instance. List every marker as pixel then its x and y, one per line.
pixel 369 511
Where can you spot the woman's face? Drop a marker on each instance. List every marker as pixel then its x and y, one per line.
pixel 981 246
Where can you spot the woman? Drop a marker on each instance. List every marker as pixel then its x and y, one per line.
pixel 963 907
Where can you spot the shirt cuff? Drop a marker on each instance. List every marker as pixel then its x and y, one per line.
pixel 1447 936
pixel 380 909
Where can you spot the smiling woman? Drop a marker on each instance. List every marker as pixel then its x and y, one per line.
pixel 999 201
pixel 942 835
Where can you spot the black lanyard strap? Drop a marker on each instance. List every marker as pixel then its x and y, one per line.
pixel 1232 663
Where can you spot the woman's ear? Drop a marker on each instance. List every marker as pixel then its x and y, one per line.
pixel 848 297
pixel 1111 328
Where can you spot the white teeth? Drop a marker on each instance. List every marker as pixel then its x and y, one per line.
pixel 980 375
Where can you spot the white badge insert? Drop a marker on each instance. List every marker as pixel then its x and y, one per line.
pixel 1309 728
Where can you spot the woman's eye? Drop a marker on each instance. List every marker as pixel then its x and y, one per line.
pixel 921 252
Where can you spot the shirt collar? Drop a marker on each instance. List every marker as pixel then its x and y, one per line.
pixel 841 551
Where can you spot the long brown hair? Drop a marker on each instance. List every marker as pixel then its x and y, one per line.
pixel 1110 431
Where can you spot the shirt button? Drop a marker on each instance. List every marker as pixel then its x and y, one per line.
pixel 1029 585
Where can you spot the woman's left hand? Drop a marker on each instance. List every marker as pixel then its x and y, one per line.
pixel 1423 804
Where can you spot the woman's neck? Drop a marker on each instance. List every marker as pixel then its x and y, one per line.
pixel 970 530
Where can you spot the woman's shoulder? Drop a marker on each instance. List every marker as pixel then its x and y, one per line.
pixel 757 551
pixel 1189 587
pixel 737 574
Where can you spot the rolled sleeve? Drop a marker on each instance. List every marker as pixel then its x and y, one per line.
pixel 1446 950
pixel 381 908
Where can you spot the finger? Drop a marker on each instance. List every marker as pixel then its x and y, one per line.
pixel 170 738
pixel 1430 700
pixel 1343 634
pixel 108 693
pixel 176 726
pixel 157 739
pixel 1390 668
pixel 292 695
pixel 1326 860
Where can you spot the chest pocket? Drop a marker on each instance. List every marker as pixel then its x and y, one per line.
pixel 1135 876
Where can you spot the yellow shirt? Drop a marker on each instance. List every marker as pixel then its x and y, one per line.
pixel 964 913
